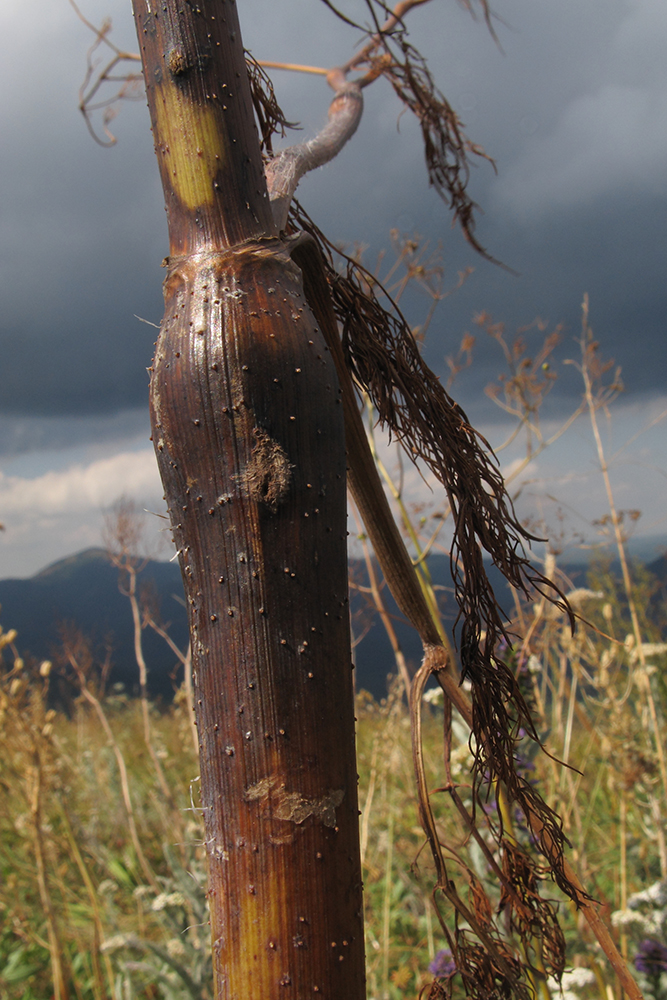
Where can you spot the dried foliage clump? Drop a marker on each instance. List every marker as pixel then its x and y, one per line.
pixel 528 913
pixel 270 117
pixel 412 404
pixel 447 148
pixel 384 359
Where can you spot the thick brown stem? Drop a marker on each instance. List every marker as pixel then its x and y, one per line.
pixel 248 428
pixel 249 431
pixel 203 126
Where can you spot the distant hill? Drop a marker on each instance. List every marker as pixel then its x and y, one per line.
pixel 83 590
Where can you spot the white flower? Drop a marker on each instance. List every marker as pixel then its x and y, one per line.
pixel 575 978
pixel 141 891
pixel 647 649
pixel 107 886
pixel 533 664
pixel 434 696
pixel 556 991
pixel 580 594
pixel 166 899
pixel 648 923
pixel 656 895
pixel 572 980
pixel 622 918
pixel 114 943
pixel 175 948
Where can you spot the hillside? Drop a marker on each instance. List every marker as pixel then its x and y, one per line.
pixel 82 590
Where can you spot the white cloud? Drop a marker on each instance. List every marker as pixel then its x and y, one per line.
pixel 52 515
pixel 56 511
pixel 80 488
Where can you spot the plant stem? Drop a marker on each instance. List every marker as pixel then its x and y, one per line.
pixel 643 680
pixel 60 991
pixel 122 770
pixel 248 429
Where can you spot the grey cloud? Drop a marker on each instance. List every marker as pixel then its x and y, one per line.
pixel 609 135
pixel 82 229
pixel 608 142
pixel 28 434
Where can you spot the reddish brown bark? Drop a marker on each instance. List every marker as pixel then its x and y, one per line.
pixel 248 429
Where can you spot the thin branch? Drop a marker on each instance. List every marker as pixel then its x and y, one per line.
pixel 292 67
pixel 94 80
pixel 284 171
pixel 446 147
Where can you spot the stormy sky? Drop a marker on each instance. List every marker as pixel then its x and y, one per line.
pixel 572 105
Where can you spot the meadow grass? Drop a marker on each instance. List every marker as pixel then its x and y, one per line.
pixel 84 916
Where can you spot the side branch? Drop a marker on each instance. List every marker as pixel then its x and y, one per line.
pixel 284 172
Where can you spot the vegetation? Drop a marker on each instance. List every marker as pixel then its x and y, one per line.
pixel 101 839
pixel 239 452
pixel 115 916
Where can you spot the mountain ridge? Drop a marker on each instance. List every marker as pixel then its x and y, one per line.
pixel 82 590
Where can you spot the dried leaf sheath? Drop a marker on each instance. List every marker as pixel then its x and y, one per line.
pixel 489 967
pixel 385 361
pixel 259 520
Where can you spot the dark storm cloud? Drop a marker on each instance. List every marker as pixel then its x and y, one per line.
pixel 22 435
pixel 80 234
pixel 82 229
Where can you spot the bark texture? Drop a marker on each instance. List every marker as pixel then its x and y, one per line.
pixel 248 430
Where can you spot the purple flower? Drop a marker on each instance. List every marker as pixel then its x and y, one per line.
pixel 443 965
pixel 651 957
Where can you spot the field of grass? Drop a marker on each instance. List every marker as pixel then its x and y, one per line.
pixel 102 869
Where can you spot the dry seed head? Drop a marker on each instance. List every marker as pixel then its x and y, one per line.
pixel 7 638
